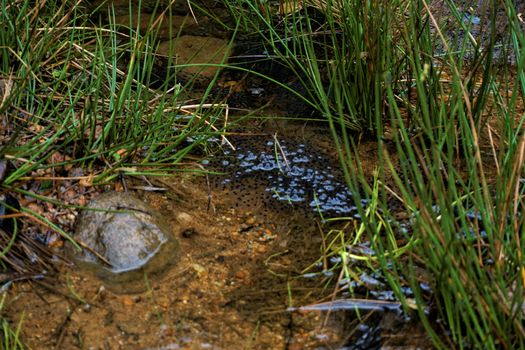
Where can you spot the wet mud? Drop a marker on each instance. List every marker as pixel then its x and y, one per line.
pixel 244 277
pixel 231 290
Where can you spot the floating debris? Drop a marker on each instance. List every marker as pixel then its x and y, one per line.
pixel 353 304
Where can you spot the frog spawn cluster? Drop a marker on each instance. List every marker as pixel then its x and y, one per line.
pixel 287 172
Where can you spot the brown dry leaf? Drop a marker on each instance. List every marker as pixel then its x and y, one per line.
pixel 128 301
pixel 119 187
pixel 56 157
pixel 122 152
pixel 34 207
pixel 87 181
pixel 289 6
pixel 69 195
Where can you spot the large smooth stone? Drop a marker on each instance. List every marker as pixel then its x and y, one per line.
pixel 130 235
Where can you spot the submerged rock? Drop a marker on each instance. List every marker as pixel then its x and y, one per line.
pixel 124 239
pixel 200 57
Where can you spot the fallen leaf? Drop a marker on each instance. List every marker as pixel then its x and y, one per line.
pixel 87 181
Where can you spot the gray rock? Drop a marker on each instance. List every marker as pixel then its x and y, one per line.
pixel 130 239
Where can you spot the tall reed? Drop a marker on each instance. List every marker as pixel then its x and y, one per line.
pixel 457 167
pixel 448 116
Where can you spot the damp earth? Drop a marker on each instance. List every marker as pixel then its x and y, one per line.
pixel 247 275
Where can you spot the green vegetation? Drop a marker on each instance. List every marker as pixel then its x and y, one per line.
pixel 10 339
pixel 83 92
pixel 447 116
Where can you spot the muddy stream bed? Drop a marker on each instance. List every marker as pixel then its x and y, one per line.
pixel 246 240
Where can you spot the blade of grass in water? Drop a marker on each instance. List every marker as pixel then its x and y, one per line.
pixel 454 155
